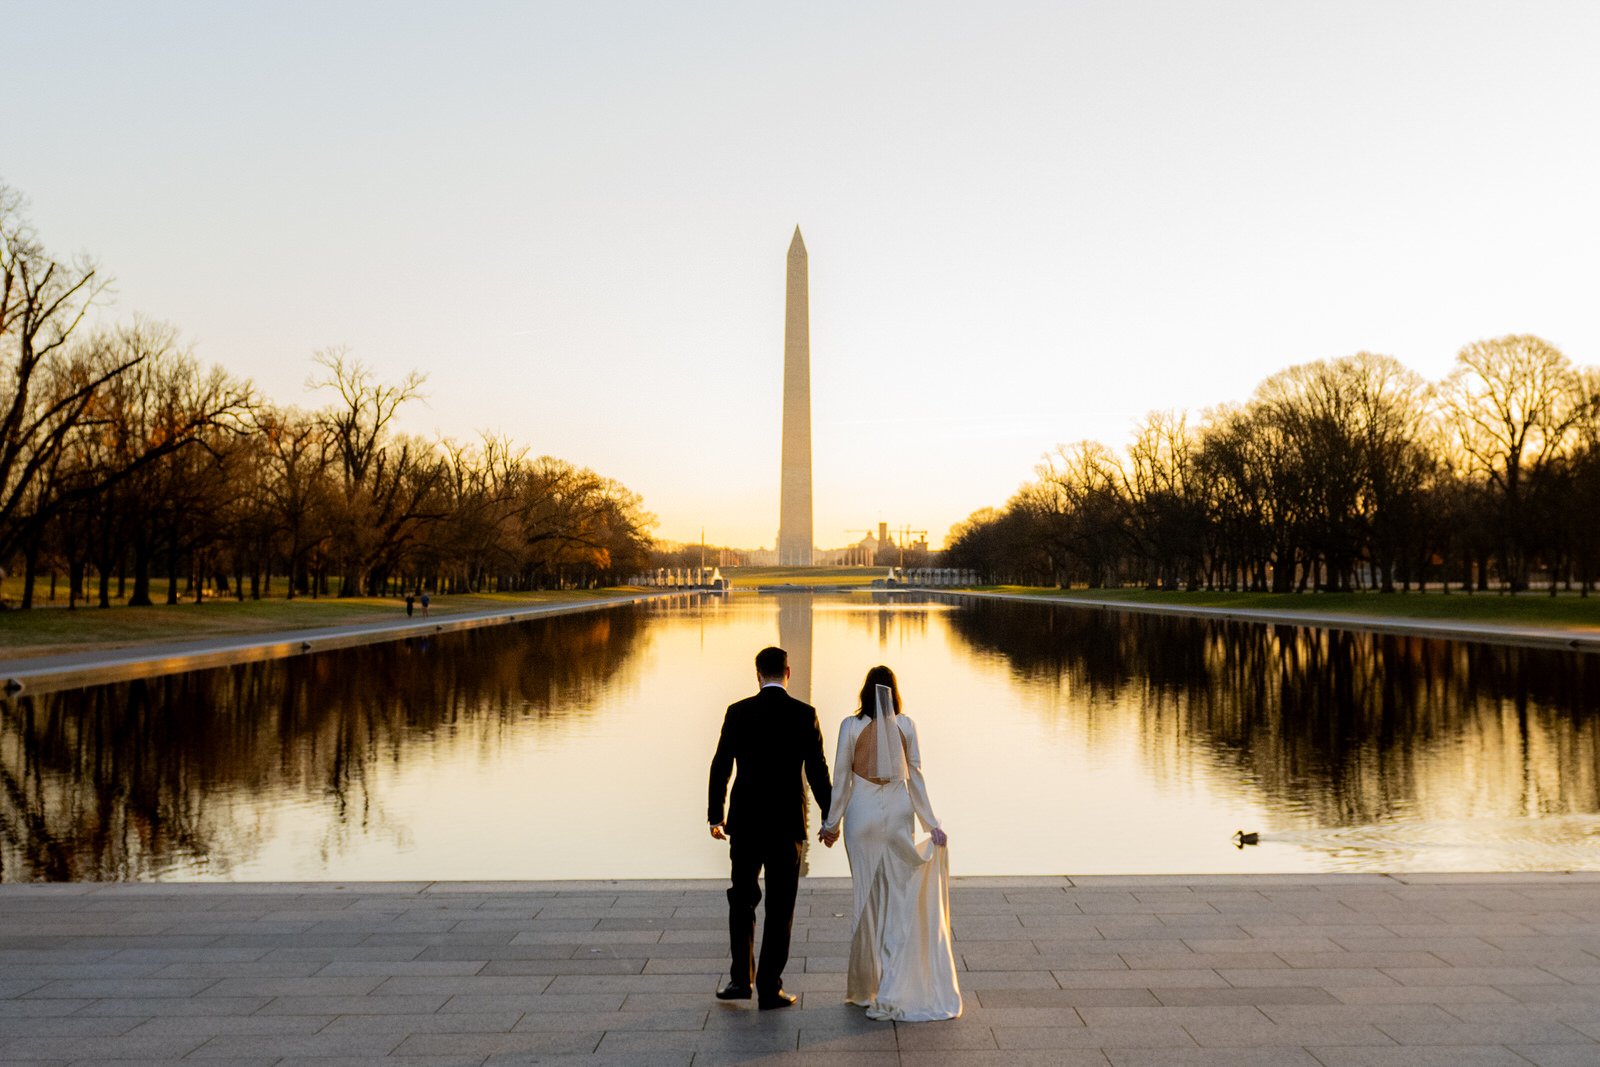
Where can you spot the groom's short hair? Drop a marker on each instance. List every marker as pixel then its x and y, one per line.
pixel 772 662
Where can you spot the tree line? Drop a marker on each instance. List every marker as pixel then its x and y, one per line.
pixel 124 459
pixel 1335 475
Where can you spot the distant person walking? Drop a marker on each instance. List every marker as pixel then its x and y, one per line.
pixel 424 603
pixel 411 603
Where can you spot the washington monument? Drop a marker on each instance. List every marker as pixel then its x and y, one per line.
pixel 794 505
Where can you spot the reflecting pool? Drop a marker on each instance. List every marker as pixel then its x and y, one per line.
pixel 1056 739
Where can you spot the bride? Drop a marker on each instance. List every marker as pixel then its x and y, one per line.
pixel 902 966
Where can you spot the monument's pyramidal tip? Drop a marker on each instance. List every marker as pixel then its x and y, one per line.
pixel 798 244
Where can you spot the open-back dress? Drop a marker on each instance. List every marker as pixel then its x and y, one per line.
pixel 902 965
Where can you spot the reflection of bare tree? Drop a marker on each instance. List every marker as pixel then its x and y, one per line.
pixel 127 781
pixel 1338 728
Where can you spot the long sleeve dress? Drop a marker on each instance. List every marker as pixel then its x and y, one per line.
pixel 902 964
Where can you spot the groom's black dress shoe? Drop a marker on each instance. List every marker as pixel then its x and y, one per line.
pixel 780 999
pixel 734 991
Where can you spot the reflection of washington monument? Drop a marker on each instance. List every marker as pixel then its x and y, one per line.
pixel 794 504
pixel 794 637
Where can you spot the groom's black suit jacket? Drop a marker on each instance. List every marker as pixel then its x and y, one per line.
pixel 771 736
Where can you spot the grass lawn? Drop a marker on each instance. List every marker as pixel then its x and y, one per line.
pixel 1566 610
pixel 750 577
pixel 47 630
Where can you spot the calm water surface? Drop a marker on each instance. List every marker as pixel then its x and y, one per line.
pixel 1055 740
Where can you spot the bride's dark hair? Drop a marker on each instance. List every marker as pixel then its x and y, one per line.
pixel 879 675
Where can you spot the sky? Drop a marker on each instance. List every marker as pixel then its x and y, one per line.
pixel 1028 224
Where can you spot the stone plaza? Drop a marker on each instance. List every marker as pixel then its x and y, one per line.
pixel 1358 969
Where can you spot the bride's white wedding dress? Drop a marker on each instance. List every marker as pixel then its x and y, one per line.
pixel 902 965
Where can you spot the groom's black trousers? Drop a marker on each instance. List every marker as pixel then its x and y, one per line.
pixel 780 856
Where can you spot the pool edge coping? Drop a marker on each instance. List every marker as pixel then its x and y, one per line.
pixel 1562 638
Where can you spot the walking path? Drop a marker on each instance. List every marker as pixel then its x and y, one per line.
pixel 1266 969
pixel 1583 640
pixel 95 666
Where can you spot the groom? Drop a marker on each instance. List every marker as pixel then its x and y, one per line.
pixel 771 736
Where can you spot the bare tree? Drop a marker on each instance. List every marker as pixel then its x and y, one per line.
pixel 42 304
pixel 1510 404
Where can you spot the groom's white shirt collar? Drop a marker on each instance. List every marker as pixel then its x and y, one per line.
pixel 780 685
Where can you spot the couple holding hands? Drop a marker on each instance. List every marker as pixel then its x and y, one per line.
pixel 902 965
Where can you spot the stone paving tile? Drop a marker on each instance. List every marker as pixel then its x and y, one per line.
pixel 297 987
pixel 622 1042
pixel 676 1001
pixel 398 968
pixel 1067 998
pixel 63 1026
pixel 1324 977
pixel 997 1058
pixel 1375 1014
pixel 847 1040
pixel 1458 1033
pixel 1240 1015
pixel 977 1015
pixel 1170 979
pixel 488 985
pixel 362 1061
pixel 97 988
pixel 952 1035
pixel 479 953
pixel 1578 1014
pixel 1418 1056
pixel 14 956
pixel 251 969
pixel 1384 960
pixel 1156 961
pixel 1586 1026
pixel 1210 1057
pixel 1275 1035
pixel 477 1003
pixel 350 953
pixel 368 1005
pixel 19 975
pixel 424 1023
pixel 799 1058
pixel 218 1025
pixel 248 1061
pixel 1257 996
pixel 590 965
pixel 1492 976
pixel 1244 943
pixel 1460 994
pixel 1143 1036
pixel 1558 1055
pixel 1550 957
pixel 653 1058
pixel 121 1047
pixel 234 1046
pixel 173 1006
pixel 982 980
pixel 1552 994
pixel 1117 945
pixel 681 1019
pixel 561 1042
